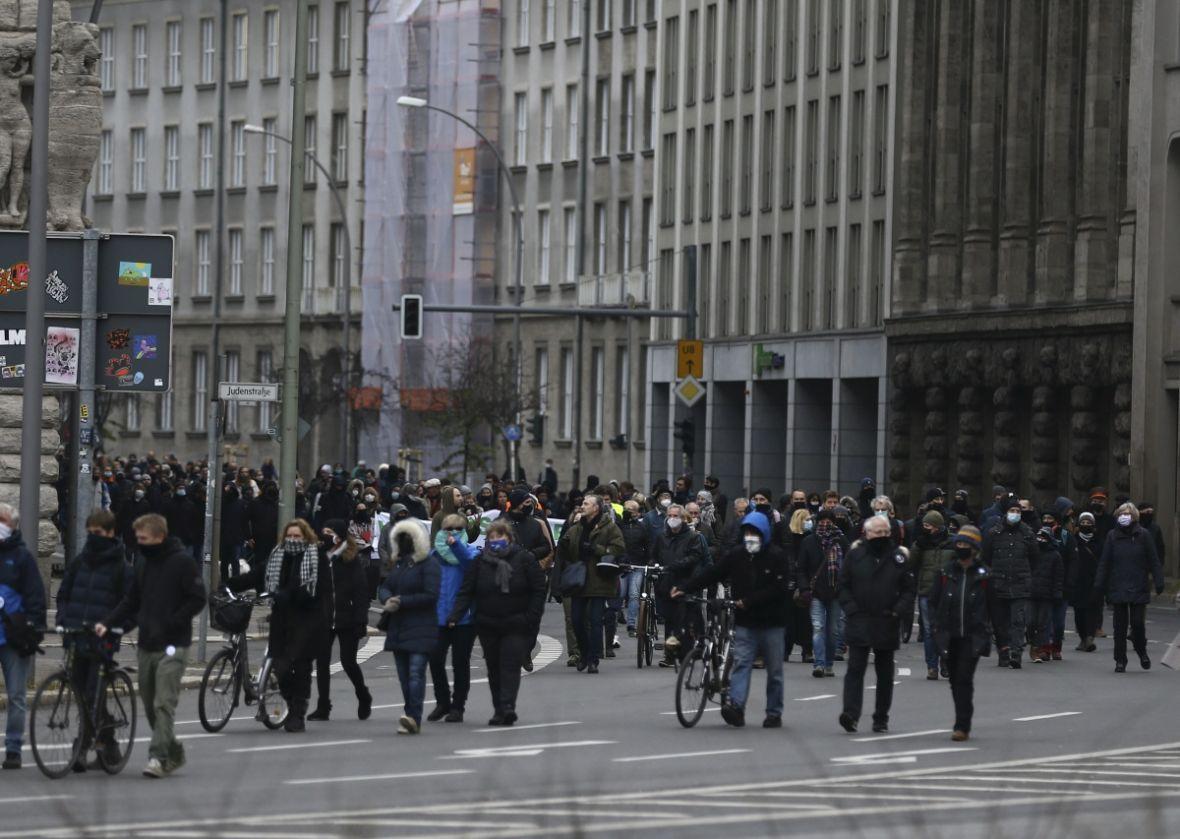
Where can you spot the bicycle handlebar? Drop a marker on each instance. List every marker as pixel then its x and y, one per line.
pixel 86 628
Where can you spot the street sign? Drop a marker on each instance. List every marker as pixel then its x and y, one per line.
pixel 690 359
pixel 689 391
pixel 512 433
pixel 247 392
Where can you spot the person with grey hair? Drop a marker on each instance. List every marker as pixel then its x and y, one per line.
pixel 1126 570
pixel 594 536
pixel 23 602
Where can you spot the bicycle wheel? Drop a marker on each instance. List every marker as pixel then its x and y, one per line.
pixel 116 729
pixel 641 636
pixel 219 690
pixel 649 647
pixel 56 721
pixel 272 707
pixel 692 691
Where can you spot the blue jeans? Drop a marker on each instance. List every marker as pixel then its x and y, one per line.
pixel 827 631
pixel 749 643
pixel 928 641
pixel 632 585
pixel 16 673
pixel 411 672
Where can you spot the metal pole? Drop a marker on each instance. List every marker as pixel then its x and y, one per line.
pixel 211 549
pixel 583 199
pixel 30 457
pixel 83 417
pixel 290 443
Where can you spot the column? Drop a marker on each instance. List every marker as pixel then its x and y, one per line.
pixel 748 436
pixel 979 257
pixel 942 262
pixel 834 462
pixel 909 280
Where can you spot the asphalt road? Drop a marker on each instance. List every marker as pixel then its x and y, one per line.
pixel 1060 749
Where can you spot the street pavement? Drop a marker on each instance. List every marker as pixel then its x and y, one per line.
pixel 1058 749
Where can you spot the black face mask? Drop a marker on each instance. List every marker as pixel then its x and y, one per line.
pixel 764 509
pixel 1097 509
pixel 1146 519
pixel 97 544
pixel 151 551
pixel 959 506
pixel 519 515
pixel 880 545
pixel 963 551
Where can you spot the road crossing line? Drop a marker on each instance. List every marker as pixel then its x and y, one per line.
pixel 321 744
pixel 1021 780
pixel 640 758
pixel 814 698
pixel 884 757
pixel 397 776
pixel 506 728
pixel 877 737
pixel 1039 717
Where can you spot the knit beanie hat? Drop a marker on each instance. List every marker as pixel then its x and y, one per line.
pixel 935 518
pixel 968 535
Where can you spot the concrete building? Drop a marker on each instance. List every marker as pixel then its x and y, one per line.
pixel 181 81
pixel 774 154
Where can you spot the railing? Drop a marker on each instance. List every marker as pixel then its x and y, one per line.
pixel 629 289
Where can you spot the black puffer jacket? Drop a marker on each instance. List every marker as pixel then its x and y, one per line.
pixel 637 539
pixel 350 590
pixel 1128 566
pixel 875 591
pixel 94 584
pixel 517 611
pixel 1008 551
pixel 1047 573
pixel 809 566
pixel 682 554
pixel 958 598
pixel 1085 568
pixel 166 593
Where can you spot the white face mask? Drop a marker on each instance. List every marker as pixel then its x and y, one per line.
pixel 808 526
pixel 753 544
pixel 1125 520
pixel 674 523
pixel 369 499
pixel 665 503
pixel 882 513
pixel 1013 518
pixel 5 532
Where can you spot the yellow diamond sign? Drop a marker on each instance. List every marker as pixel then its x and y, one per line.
pixel 690 391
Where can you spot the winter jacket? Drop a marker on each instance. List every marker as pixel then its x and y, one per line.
pixel 1084 595
pixel 605 539
pixel 451 580
pixel 517 611
pixel 415 579
pixel 636 541
pixel 809 568
pixel 875 591
pixel 129 511
pixel 350 589
pixel 534 536
pixel 1007 552
pixel 760 581
pixel 958 603
pixel 262 519
pixel 928 556
pixel 165 594
pixel 94 584
pixel 18 571
pixel 185 519
pixel 1128 566
pixel 1047 573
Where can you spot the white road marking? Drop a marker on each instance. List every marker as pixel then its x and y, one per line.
pixel 814 698
pixel 523 750
pixel 373 645
pixel 28 799
pixel 877 737
pixel 638 758
pixel 322 744
pixel 1114 772
pixel 501 729
pixel 395 777
pixel 1047 716
pixel 892 757
pixel 673 713
pixel 903 671
pixel 874 687
pixel 1023 780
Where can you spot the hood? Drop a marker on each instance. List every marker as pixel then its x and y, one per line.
pixel 1060 506
pixel 760 523
pixel 418 538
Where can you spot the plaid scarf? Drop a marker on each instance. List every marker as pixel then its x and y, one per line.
pixel 308 568
pixel 829 540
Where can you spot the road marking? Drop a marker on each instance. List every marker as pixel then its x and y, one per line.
pixel 28 799
pixel 1047 716
pixel 523 750
pixel 901 736
pixel 895 757
pixel 502 728
pixel 289 746
pixel 395 777
pixel 673 713
pixel 1022 780
pixel 903 671
pixel 814 698
pixel 638 758
pixel 874 687
pixel 373 645
pixel 1116 773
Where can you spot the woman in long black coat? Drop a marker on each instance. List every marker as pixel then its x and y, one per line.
pixel 1128 566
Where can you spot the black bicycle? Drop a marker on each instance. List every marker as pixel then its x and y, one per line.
pixel 705 672
pixel 67 718
pixel 647 631
pixel 227 675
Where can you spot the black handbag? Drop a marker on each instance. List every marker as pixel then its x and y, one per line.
pixel 24 638
pixel 573 579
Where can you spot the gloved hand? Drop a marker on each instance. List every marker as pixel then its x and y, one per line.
pixel 393 604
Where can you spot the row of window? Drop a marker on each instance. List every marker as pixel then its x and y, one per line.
pixel 207 40
pixel 236 262
pixel 205 174
pixel 623 230
pixel 595 386
pixel 546 17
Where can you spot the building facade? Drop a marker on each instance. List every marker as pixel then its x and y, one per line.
pixel 773 220
pixel 182 80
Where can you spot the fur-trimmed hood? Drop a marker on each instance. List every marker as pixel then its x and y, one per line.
pixel 417 535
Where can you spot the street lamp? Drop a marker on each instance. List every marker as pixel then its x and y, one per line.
pixel 345 292
pixel 415 102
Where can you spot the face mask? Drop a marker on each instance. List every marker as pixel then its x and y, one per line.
pixel 1125 520
pixel 882 513
pixel 963 551
pixel 764 509
pixel 665 503
pixel 1098 509
pixel 753 544
pixel 808 526
pixel 1146 518
pixel 627 515
pixel 5 532
pixel 139 495
pixel 798 505
pixel 498 547
pixel 369 499
pixel 180 493
pixel 1013 518
pixel 674 523
pixel 355 493
pixel 518 515
pixel 880 544
pixel 96 543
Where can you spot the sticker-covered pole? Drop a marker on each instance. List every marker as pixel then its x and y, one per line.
pixel 83 498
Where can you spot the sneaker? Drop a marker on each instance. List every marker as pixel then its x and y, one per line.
pixel 407 725
pixel 848 723
pixel 593 668
pixel 171 766
pixel 668 660
pixel 439 712
pixel 1120 667
pixel 615 643
pixel 454 715
pixel 818 672
pixel 610 653
pixel 510 718
pixel 1144 661
pixel 364 705
pixel 154 768
pixel 838 657
pixel 810 659
pixel 829 672
pixel 931 674
pixel 572 661
pixel 581 665
pixel 1091 647
pixel 733 715
pixel 11 760
pixel 1036 657
pixel 959 736
pixel 943 671
pixel 671 643
pixel 773 721
pixel 631 632
pixel 759 664
pixel 880 727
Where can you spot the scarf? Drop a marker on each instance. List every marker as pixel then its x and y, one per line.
pixel 503 569
pixel 829 541
pixel 308 567
pixel 444 550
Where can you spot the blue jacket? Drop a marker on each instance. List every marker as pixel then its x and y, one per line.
pixel 452 579
pixel 413 628
pixel 18 571
pixel 95 583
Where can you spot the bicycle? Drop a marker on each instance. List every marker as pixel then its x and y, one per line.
pixel 706 669
pixel 227 676
pixel 65 720
pixel 647 630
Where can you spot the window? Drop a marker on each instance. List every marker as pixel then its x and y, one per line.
pixel 640 428
pixel 202 249
pixel 704 289
pixel 880 138
pixel 629 13
pixel 600 239
pixel 664 279
pixel 266 372
pixel 810 151
pixel 270 160
pixel 688 169
pixel 164 411
pixel 883 35
pixel 313 40
pixel 602 19
pixel 762 300
pixel 814 22
pixel 707 173
pixel 308 263
pixel 232 373
pixel 668 180
pixel 106 67
pixel 832 178
pixel 271 32
pixel 521 120
pixel 747 183
pixel 649 234
pixel 856 144
pixel 691 57
pixel 566 409
pixel 575 18
pixel 877 269
pixel 240 28
pixel 767 159
pixel 671 78
pixel 139 64
pixel 138 160
pixel 171 158
pixel 106 151
pixel 624 237
pixel 208 51
pixel 622 391
pixel 237 130
pixel 727 151
pixel 310 132
pixel 542 380
pixel 235 264
pixel 724 274
pixel 548 20
pixel 570 223
pixel 627 115
pixel 340 147
pixel 522 23
pixel 543 247
pixel 859 26
pixel 572 108
pixel 131 412
pixel 852 278
pixel 547 125
pixel 827 300
pixel 602 118
pixel 835 34
pixel 205 156
pixel 597 382
pixel 172 74
pixel 741 289
pixel 770 42
pixel 650 122
pixel 727 68
pixel 709 83
pixel 807 281
pixel 790 39
pixel 266 272
pixel 341 59
pixel 786 271
pixel 749 42
pixel 200 389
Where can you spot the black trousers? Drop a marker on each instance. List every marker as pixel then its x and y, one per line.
pixel 1009 621
pixel 961 661
pixel 1136 613
pixel 459 640
pixel 349 641
pixel 504 653
pixel 1085 619
pixel 798 630
pixel 294 677
pixel 854 682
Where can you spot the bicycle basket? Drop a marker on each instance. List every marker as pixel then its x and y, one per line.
pixel 229 615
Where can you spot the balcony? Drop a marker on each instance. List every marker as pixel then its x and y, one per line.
pixel 630 290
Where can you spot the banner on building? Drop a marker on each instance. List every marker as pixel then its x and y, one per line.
pixel 464 202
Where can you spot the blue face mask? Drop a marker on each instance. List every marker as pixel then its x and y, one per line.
pixel 1013 518
pixel 808 526
pixel 499 547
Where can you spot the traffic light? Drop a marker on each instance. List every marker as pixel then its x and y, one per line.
pixel 537 429
pixel 686 433
pixel 411 316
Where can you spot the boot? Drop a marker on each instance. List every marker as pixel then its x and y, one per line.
pixel 1055 652
pixel 323 710
pixel 294 723
pixel 364 703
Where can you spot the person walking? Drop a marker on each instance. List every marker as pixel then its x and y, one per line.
pixel 1046 582
pixel 455 558
pixel 637 551
pixel 506 588
pixel 410 597
pixel 165 594
pixel 876 589
pixel 1008 550
pixel 1126 570
pixel 24 605
pixel 960 618
pixel 594 536
pixel 681 554
pixel 1085 599
pixel 821 558
pixel 930 553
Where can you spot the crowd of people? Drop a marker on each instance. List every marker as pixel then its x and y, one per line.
pixel 829 577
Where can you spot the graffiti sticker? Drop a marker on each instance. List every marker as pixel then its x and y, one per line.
pixel 118 339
